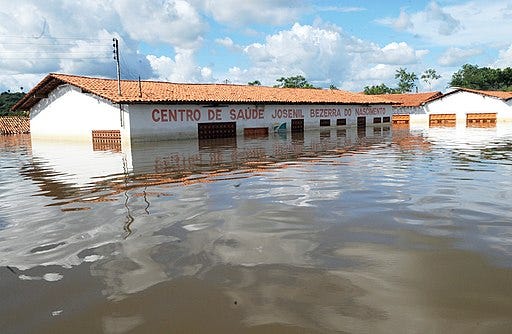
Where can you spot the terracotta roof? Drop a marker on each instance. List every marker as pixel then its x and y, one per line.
pixel 411 99
pixel 11 125
pixel 492 93
pixel 166 92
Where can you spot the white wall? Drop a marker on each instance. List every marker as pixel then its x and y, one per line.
pixel 152 122
pixel 68 113
pixel 409 110
pixel 462 103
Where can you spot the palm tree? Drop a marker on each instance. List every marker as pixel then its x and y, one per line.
pixel 430 75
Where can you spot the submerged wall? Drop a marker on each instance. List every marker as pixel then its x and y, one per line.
pixel 156 122
pixel 462 103
pixel 68 113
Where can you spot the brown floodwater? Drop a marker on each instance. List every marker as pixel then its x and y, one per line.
pixel 386 230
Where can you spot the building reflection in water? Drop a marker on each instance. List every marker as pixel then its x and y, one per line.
pixel 281 225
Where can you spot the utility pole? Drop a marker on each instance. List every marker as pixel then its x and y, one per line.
pixel 116 58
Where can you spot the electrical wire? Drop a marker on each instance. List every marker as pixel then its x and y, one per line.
pixel 53 48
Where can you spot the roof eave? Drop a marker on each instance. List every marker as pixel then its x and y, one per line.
pixel 32 94
pixel 130 101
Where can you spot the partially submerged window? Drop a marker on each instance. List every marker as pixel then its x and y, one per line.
pixel 325 122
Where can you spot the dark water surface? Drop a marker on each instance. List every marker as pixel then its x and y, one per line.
pixel 386 231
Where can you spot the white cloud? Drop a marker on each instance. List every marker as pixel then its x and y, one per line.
pixel 363 75
pixel 433 18
pixel 36 39
pixel 180 69
pixel 228 44
pixel 378 73
pixel 340 9
pixel 14 82
pixel 403 22
pixel 463 24
pixel 324 55
pixel 315 52
pixel 239 13
pixel 174 22
pixel 504 58
pixel 398 54
pixel 76 36
pixel 457 56
pixel 446 23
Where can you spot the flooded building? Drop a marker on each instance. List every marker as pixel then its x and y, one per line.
pixel 410 107
pixel 461 106
pixel 469 107
pixel 68 106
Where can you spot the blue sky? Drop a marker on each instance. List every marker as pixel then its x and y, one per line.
pixel 350 44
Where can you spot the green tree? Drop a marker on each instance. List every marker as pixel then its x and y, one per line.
pixel 482 78
pixel 380 89
pixel 297 81
pixel 430 75
pixel 254 83
pixel 7 100
pixel 406 80
pixel 333 87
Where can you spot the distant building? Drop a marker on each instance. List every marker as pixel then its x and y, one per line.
pixel 407 106
pixel 470 107
pixel 460 106
pixel 78 107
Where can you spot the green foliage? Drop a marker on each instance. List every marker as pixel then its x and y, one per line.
pixel 333 87
pixel 482 78
pixel 380 89
pixel 406 80
pixel 406 83
pixel 297 81
pixel 430 75
pixel 7 100
pixel 254 83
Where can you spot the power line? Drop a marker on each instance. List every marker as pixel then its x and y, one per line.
pixel 55 52
pixel 54 48
pixel 76 58
pixel 77 38
pixel 127 70
pixel 53 44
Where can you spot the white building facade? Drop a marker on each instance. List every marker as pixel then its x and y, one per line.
pixel 78 108
pixel 69 114
pixel 467 105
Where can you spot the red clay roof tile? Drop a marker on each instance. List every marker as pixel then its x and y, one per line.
pixel 11 125
pixel 166 92
pixel 411 99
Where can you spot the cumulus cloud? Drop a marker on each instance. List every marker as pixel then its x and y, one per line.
pixel 376 74
pixel 446 23
pixel 239 13
pixel 457 56
pixel 340 9
pixel 175 22
pixel 504 58
pixel 182 68
pixel 76 36
pixel 397 54
pixel 324 55
pixel 403 22
pixel 316 52
pixel 433 17
pixel 461 24
pixel 228 44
